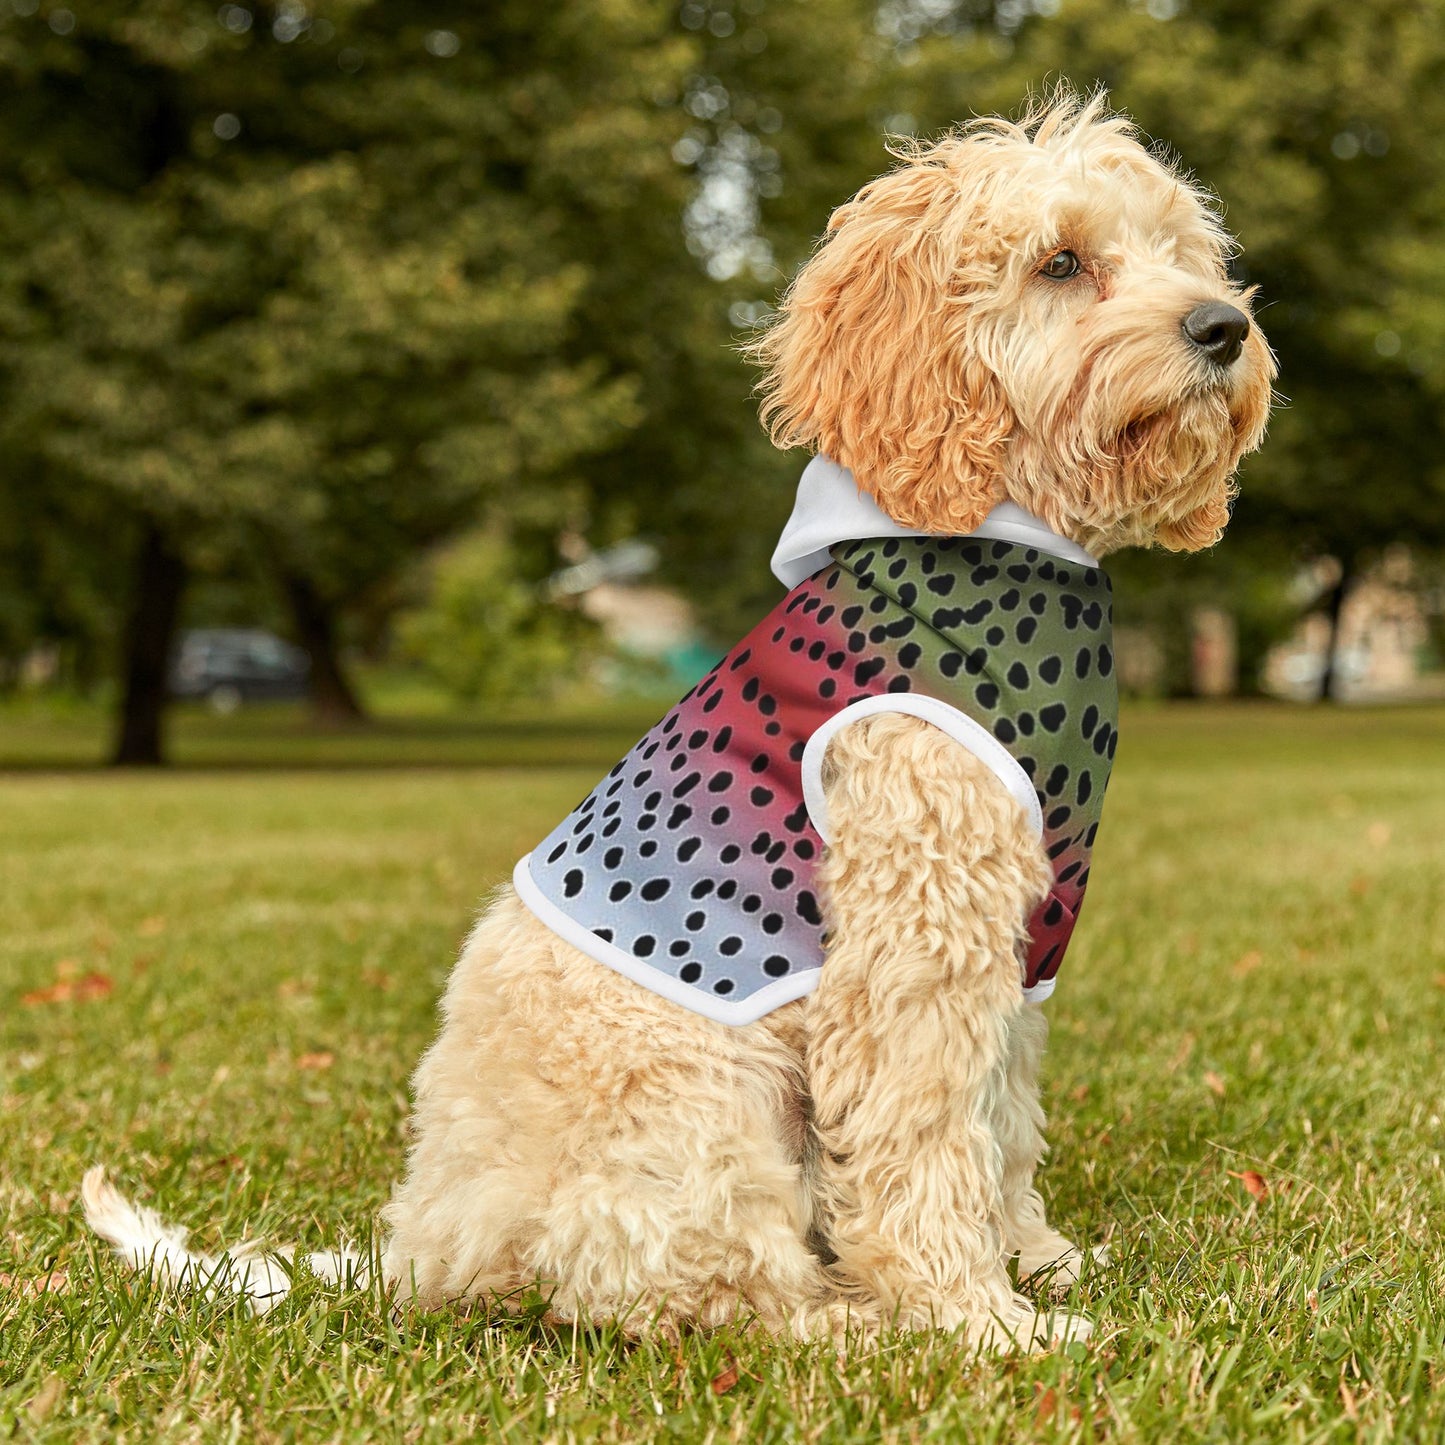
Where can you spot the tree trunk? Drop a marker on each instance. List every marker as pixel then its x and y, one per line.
pixel 160 579
pixel 333 699
pixel 1329 677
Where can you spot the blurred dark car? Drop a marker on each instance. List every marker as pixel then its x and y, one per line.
pixel 228 666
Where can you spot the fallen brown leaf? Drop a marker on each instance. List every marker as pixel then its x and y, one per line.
pixel 1214 1083
pixel 67 990
pixel 1248 962
pixel 724 1381
pixel 1079 1094
pixel 377 978
pixel 1440 980
pixel 322 1059
pixel 56 1282
pixel 56 993
pixel 1255 1184
pixel 1360 885
pixel 1046 1407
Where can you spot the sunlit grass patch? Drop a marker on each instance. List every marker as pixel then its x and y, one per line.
pixel 217 982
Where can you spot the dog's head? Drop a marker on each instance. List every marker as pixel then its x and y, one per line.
pixel 1034 311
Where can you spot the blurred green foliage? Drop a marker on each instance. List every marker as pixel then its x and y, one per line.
pixel 314 298
pixel 308 289
pixel 486 634
pixel 322 286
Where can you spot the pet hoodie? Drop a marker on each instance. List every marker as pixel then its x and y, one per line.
pixel 692 866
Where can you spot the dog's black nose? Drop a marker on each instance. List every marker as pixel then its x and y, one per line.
pixel 1218 330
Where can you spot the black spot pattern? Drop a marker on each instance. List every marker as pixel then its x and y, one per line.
pixel 720 894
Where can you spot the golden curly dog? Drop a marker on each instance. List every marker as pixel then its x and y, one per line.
pixel 1036 313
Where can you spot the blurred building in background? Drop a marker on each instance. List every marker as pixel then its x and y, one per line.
pixel 652 632
pixel 1382 644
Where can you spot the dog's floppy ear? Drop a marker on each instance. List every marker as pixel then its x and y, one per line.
pixel 872 358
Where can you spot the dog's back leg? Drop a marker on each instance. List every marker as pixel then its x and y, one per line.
pixel 577 1134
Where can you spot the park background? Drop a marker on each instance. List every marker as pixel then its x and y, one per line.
pixel 383 333
pixel 408 333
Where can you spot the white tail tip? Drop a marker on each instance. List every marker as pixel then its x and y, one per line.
pixel 148 1244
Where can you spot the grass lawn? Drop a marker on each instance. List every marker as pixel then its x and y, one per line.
pixel 216 980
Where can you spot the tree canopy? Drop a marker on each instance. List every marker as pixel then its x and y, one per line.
pixel 324 290
pixel 307 289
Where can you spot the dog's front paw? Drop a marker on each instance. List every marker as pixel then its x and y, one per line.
pixel 1061 1327
pixel 1023 1326
pixel 1058 1269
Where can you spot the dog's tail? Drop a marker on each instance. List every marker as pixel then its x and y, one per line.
pixel 147 1243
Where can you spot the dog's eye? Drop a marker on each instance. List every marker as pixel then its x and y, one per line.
pixel 1060 266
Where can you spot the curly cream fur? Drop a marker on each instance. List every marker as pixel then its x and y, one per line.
pixel 579 1135
pixel 867 1155
pixel 922 348
pixel 909 1032
pixel 576 1129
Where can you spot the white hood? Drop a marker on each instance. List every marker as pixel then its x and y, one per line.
pixel 830 509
